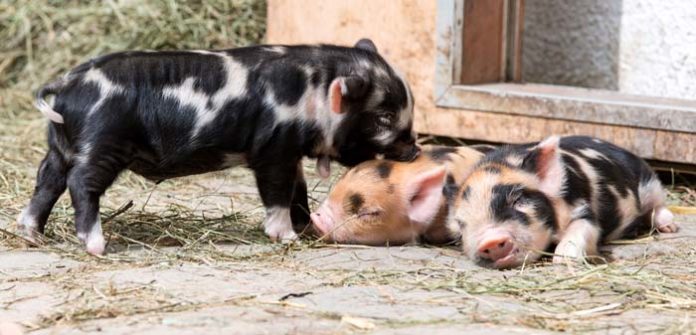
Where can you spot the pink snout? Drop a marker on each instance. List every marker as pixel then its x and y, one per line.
pixel 496 246
pixel 322 220
pixel 318 222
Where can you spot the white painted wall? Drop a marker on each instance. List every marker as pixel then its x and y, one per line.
pixel 645 47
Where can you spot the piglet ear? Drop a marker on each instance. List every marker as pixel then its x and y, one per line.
pixel 366 44
pixel 424 194
pixel 545 161
pixel 344 89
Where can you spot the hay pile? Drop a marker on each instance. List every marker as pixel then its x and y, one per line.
pixel 42 39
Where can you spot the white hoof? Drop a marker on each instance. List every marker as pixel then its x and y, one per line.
pixel 664 221
pixel 94 240
pixel 568 251
pixel 278 225
pixel 28 226
pixel 278 234
pixel 96 245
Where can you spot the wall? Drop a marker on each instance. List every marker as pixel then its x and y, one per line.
pixel 573 43
pixel 643 47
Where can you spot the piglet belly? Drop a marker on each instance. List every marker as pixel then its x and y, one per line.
pixel 197 163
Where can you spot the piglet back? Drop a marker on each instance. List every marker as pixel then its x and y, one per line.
pixel 622 189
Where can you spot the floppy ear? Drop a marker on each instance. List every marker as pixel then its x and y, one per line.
pixel 366 44
pixel 346 88
pixel 424 194
pixel 545 161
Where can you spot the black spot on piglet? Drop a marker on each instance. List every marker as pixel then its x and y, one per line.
pixel 450 189
pixel 492 169
pixel 483 148
pixel 441 154
pixel 384 169
pixel 466 192
pixel 502 203
pixel 356 201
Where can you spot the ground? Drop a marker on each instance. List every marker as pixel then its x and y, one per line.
pixel 190 257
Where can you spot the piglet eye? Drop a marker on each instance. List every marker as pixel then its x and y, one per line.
pixel 385 119
pixel 515 199
pixel 519 201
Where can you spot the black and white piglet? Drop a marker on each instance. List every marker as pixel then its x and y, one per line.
pixel 572 192
pixel 177 113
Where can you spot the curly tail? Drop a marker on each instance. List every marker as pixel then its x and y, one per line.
pixel 41 103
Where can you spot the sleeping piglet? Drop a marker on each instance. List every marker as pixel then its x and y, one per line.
pixel 564 195
pixel 383 202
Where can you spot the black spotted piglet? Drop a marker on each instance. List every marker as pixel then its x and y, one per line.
pixel 177 113
pixel 571 192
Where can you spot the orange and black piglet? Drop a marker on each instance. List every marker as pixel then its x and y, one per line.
pixel 382 202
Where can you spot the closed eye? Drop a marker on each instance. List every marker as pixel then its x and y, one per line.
pixel 515 197
pixel 369 213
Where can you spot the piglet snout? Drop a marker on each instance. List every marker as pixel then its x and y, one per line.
pixel 495 247
pixel 403 150
pixel 318 222
pixel 322 221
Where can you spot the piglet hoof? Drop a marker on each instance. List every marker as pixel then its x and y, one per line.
pixel 27 227
pixel 567 253
pixel 278 225
pixel 290 238
pixel 94 243
pixel 558 259
pixel 282 236
pixel 96 246
pixel 664 220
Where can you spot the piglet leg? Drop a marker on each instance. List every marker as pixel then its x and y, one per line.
pixel 94 171
pixel 277 183
pixel 581 239
pixel 50 184
pixel 299 210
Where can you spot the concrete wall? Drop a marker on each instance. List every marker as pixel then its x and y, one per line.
pixel 643 47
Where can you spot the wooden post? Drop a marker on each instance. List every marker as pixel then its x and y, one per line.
pixel 491 41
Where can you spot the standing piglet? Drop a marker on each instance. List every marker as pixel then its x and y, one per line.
pixel 574 192
pixel 176 113
pixel 384 202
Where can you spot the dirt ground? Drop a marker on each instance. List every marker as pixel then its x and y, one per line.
pixel 190 258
